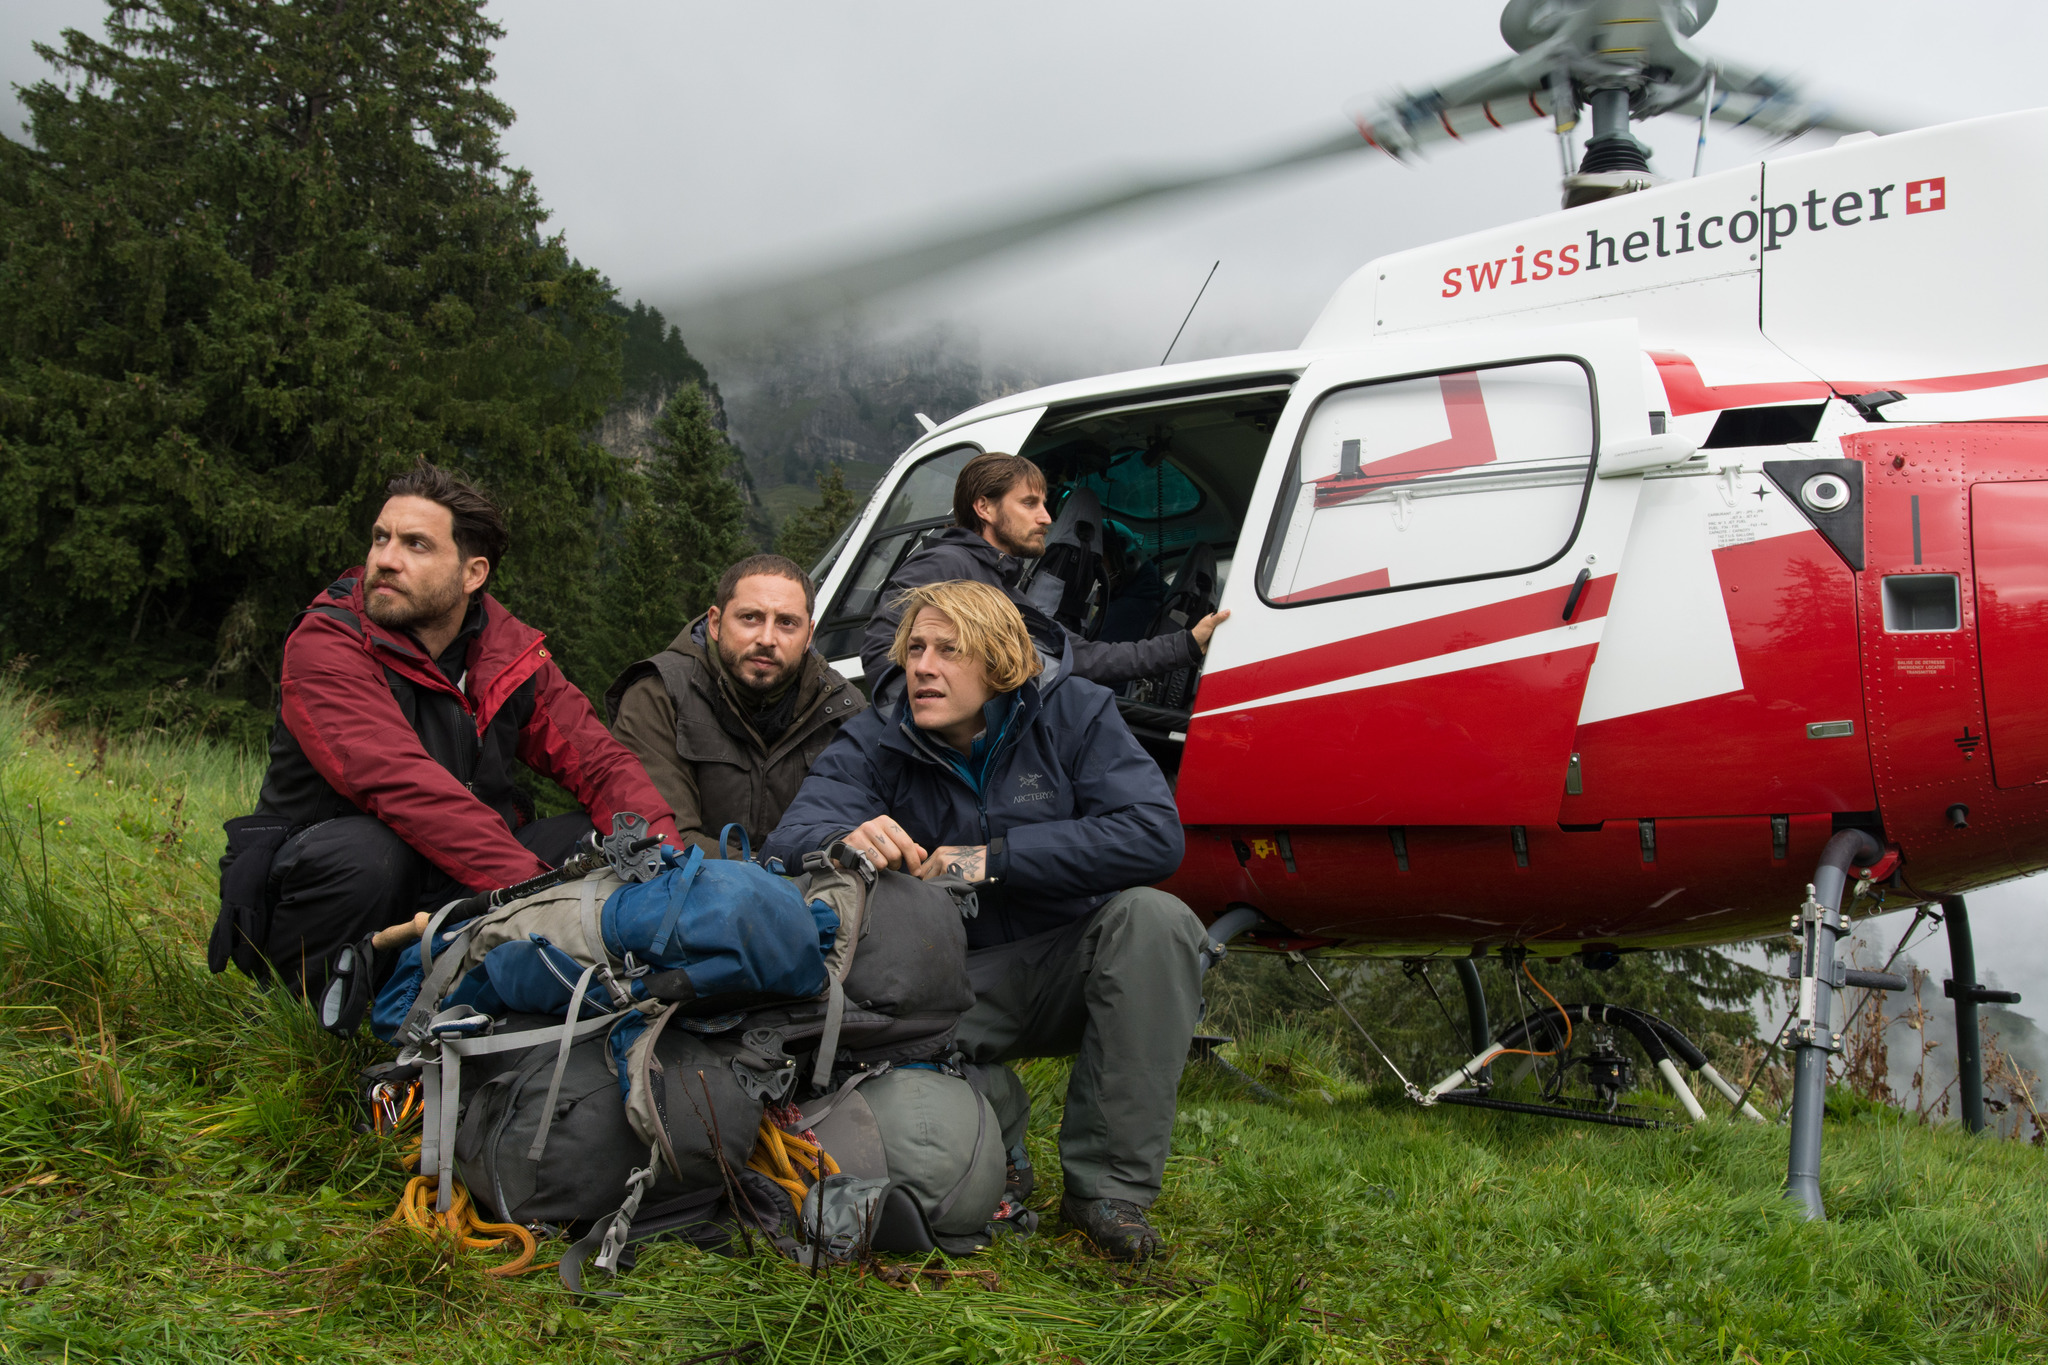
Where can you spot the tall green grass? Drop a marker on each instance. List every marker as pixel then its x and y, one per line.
pixel 180 1179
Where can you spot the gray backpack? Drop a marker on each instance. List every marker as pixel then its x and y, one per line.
pixel 545 1123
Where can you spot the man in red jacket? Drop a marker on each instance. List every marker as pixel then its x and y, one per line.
pixel 409 693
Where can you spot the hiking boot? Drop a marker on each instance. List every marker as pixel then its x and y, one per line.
pixel 1117 1227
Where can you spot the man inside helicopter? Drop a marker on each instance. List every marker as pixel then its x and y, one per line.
pixel 1000 521
pixel 1026 780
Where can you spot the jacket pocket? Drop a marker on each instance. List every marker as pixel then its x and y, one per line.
pixel 244 923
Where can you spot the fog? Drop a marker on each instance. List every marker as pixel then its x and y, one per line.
pixel 685 145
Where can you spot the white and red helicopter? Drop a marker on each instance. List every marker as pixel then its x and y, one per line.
pixel 1627 577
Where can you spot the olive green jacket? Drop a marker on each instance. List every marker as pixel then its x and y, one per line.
pixel 684 719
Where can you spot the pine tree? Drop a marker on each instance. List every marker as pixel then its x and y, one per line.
pixel 687 526
pixel 810 531
pixel 257 258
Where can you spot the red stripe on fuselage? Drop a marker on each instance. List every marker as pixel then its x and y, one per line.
pixel 1687 392
pixel 1490 624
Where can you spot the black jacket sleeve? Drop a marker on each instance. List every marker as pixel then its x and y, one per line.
pixel 1111 662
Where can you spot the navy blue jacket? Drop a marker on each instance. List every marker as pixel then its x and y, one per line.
pixel 1072 810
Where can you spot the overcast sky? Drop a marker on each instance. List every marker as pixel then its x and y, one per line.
pixel 681 144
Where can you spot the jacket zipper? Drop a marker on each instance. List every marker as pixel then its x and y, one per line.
pixel 439 682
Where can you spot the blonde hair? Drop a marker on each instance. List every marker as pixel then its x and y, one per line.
pixel 990 626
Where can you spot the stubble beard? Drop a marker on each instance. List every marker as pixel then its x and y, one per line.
pixel 424 605
pixel 733 670
pixel 1021 548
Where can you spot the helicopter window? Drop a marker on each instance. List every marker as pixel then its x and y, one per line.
pixel 1132 488
pixel 922 503
pixel 1406 482
pixel 926 491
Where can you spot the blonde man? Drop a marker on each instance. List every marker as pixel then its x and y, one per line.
pixel 1025 779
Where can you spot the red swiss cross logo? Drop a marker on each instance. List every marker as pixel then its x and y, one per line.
pixel 1925 196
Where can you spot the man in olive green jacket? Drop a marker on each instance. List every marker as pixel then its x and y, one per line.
pixel 729 718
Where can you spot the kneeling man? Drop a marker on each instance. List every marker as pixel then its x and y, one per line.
pixel 410 698
pixel 1027 781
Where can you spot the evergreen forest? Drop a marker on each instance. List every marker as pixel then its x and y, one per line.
pixel 254 260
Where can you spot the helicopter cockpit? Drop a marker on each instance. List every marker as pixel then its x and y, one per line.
pixel 1172 475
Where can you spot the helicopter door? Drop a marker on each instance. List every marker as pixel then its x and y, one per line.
pixel 914 501
pixel 1437 564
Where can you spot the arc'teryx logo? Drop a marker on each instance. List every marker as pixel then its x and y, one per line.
pixel 1029 782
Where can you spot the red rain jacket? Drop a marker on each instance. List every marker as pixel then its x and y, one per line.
pixel 370 724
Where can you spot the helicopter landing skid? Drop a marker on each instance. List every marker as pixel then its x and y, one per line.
pixel 1580 1111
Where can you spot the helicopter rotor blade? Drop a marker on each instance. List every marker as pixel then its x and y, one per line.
pixel 1774 105
pixel 786 300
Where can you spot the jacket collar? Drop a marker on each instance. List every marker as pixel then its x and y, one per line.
pixel 506 651
pixel 815 685
pixel 1006 567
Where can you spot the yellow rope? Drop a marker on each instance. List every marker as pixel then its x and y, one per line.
pixel 789 1160
pixel 416 1210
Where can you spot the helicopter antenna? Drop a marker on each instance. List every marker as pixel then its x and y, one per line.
pixel 1699 155
pixel 1191 310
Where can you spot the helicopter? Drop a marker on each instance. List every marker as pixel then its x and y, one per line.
pixel 1634 576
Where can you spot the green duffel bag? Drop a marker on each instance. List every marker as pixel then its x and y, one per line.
pixel 920 1155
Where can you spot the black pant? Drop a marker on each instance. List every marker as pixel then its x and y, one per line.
pixel 334 882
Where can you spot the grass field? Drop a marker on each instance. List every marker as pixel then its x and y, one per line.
pixel 180 1180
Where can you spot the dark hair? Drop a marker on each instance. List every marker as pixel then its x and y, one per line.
pixel 477 524
pixel 774 566
pixel 990 475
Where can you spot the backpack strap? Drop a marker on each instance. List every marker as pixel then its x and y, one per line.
pixel 746 844
pixel 439 973
pixel 828 1041
pixel 569 1021
pixel 691 867
pixel 817 1116
pixel 981 1108
pixel 647 1093
pixel 608 1237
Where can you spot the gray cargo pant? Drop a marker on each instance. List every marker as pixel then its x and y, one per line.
pixel 1120 992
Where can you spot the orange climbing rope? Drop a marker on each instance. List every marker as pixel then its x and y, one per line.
pixel 416 1208
pixel 389 1111
pixel 792 1162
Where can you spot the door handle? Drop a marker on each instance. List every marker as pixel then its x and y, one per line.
pixel 1571 603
